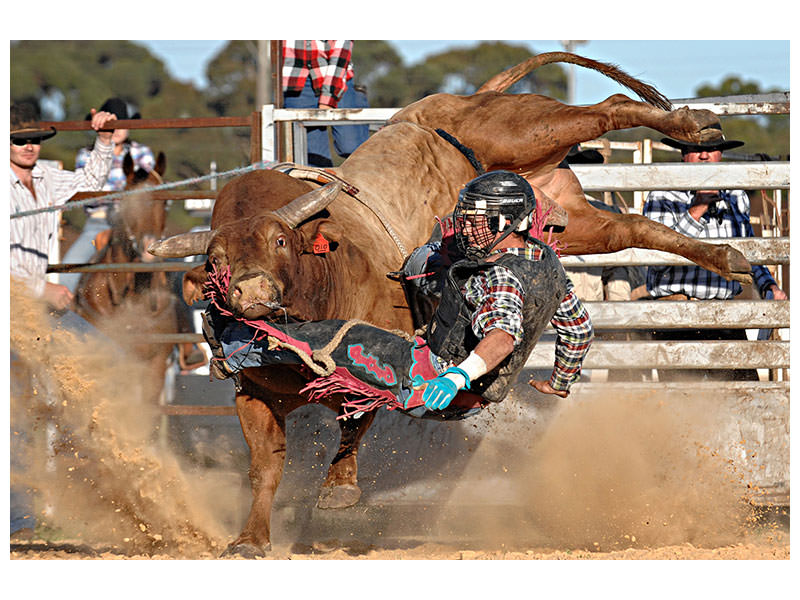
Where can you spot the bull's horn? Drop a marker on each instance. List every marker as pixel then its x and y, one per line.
pixel 310 203
pixel 183 244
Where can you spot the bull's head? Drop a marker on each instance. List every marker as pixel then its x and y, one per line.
pixel 267 254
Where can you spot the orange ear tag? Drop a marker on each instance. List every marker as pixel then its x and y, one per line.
pixel 321 245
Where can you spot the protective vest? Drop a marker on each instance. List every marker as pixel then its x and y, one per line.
pixel 450 334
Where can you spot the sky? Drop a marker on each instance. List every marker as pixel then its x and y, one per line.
pixel 675 67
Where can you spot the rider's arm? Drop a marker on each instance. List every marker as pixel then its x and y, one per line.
pixel 574 335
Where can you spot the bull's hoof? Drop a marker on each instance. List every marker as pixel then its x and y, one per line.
pixel 339 496
pixel 693 125
pixel 246 550
pixel 738 267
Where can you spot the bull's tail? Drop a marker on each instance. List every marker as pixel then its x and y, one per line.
pixel 504 80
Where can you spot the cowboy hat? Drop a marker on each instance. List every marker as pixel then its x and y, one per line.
pixel 721 144
pixel 25 124
pixel 118 107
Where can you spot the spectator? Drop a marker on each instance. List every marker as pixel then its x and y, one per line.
pixel 36 186
pixel 704 214
pixel 319 74
pixel 83 248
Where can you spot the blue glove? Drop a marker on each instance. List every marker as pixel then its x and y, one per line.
pixel 440 391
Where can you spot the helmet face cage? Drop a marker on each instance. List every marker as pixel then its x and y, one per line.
pixel 478 219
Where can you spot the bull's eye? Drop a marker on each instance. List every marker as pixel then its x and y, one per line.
pixel 215 261
pixel 280 241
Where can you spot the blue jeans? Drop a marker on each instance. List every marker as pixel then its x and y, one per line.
pixel 241 353
pixel 21 500
pixel 82 250
pixel 346 138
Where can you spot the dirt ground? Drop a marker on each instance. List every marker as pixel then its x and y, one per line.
pixel 772 548
pixel 109 491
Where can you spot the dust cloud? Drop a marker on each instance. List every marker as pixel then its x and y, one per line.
pixel 611 473
pixel 94 457
pixel 603 474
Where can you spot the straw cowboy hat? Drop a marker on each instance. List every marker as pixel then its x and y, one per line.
pixel 25 124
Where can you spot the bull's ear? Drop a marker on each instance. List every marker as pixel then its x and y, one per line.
pixel 321 236
pixel 193 281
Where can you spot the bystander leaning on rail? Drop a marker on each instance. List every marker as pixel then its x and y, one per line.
pixel 704 214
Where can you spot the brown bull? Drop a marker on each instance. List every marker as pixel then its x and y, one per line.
pixel 406 175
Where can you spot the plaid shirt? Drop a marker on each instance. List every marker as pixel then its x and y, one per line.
pixel 326 61
pixel 496 295
pixel 728 217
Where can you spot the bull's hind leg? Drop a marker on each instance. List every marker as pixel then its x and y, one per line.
pixel 593 231
pixel 533 133
pixel 620 112
pixel 341 486
pixel 542 137
pixel 265 434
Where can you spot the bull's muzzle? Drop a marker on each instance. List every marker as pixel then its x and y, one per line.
pixel 254 296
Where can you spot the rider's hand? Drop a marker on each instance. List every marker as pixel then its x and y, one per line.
pixel 440 391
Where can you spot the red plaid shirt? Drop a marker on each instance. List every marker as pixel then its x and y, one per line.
pixel 326 61
pixel 497 297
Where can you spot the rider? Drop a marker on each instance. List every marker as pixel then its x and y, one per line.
pixel 496 299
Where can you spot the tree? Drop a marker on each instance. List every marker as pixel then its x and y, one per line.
pixel 70 77
pixel 373 59
pixel 458 71
pixel 762 134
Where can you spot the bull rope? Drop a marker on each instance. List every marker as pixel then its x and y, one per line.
pixel 323 176
pixel 111 198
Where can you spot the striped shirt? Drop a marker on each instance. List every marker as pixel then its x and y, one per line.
pixel 728 217
pixel 496 296
pixel 142 159
pixel 32 236
pixel 327 62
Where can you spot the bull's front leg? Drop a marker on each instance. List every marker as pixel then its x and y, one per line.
pixel 265 434
pixel 341 486
pixel 593 231
pixel 618 232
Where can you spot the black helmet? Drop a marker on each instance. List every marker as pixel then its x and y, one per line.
pixel 498 201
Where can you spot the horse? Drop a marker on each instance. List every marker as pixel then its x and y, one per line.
pixel 144 302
